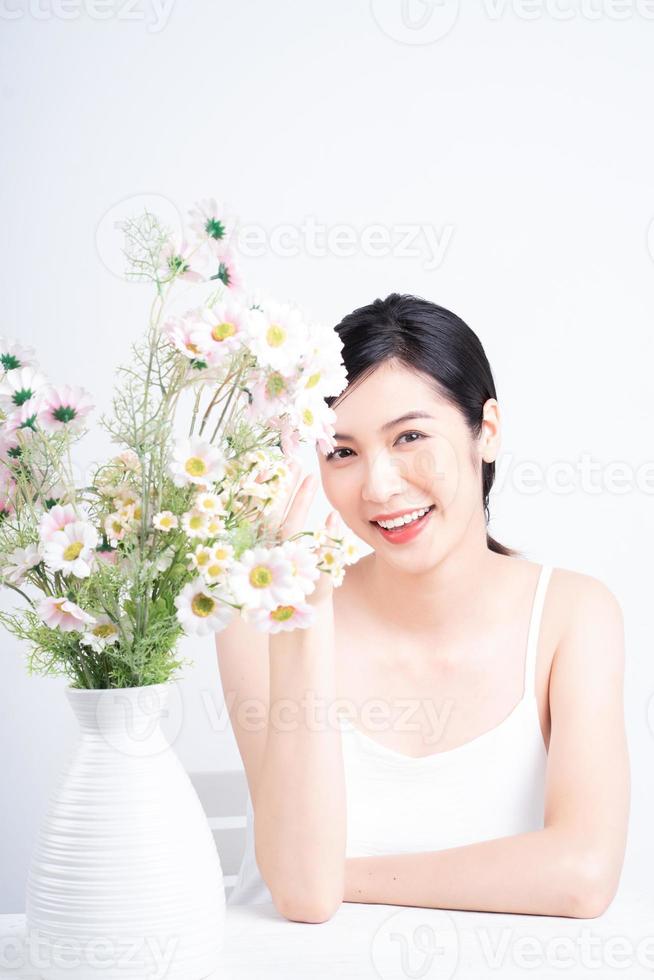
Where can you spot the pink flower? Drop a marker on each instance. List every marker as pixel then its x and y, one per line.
pixel 107 555
pixel 179 332
pixel 228 270
pixel 63 408
pixel 7 491
pixel 220 330
pixel 17 387
pixel 55 520
pixel 13 356
pixel 62 614
pixel 173 263
pixel 211 221
pixel 9 446
pixel 25 417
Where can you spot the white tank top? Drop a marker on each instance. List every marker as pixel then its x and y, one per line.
pixel 491 786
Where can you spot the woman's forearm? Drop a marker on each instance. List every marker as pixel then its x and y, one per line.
pixel 533 873
pixel 299 807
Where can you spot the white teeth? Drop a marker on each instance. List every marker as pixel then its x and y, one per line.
pixel 405 519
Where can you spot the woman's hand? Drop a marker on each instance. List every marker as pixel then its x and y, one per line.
pixel 294 512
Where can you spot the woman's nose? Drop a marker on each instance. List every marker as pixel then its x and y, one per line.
pixel 385 478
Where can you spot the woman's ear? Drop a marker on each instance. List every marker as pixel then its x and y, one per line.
pixel 491 431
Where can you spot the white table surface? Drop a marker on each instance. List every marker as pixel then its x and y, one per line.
pixel 396 942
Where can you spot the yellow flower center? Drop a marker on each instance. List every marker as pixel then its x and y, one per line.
pixel 313 380
pixel 223 330
pixel 195 522
pixel 203 605
pixel 103 630
pixel 221 554
pixel 275 384
pixel 166 521
pixel 260 577
pixel 282 613
pixel 307 416
pixel 73 551
pixel 195 466
pixel 275 335
pixel 202 558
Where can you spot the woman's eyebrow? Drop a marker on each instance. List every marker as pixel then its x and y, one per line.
pixel 389 425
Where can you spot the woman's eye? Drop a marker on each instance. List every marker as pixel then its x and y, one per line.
pixel 411 434
pixel 344 449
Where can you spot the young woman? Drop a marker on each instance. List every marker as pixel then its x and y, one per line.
pixel 450 733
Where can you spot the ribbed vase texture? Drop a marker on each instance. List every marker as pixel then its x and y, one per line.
pixel 125 879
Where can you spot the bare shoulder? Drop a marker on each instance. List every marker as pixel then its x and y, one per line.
pixel 592 631
pixel 585 594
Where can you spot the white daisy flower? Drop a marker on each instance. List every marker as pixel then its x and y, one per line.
pixel 264 577
pixel 196 461
pixel 165 520
pixel 103 633
pixel 278 336
pixel 71 550
pixel 201 611
pixel 308 415
pixel 195 524
pixel 209 503
pixel 19 563
pixel 200 557
pixel 215 569
pixel 215 526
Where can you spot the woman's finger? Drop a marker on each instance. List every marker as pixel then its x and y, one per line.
pixel 296 517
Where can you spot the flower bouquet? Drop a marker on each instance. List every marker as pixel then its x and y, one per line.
pixel 174 535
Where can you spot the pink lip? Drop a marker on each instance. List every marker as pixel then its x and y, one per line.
pixel 397 513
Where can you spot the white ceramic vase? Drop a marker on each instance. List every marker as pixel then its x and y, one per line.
pixel 125 881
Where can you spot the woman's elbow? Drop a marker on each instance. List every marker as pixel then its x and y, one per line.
pixel 308 910
pixel 593 889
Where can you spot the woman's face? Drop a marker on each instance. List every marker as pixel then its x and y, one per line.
pixel 380 466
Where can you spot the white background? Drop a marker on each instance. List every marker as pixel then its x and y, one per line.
pixel 521 135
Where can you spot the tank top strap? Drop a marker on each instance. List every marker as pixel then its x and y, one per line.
pixel 534 631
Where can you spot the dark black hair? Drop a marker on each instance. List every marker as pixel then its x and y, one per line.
pixel 427 338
